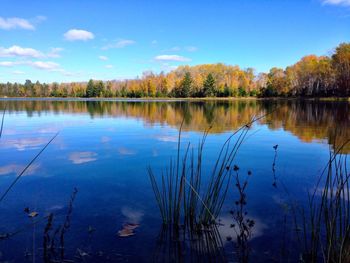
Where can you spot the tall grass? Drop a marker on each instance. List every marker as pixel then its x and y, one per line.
pixel 326 221
pixel 179 191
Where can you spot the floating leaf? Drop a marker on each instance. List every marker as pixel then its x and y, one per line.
pixel 125 232
pixel 130 226
pixel 33 214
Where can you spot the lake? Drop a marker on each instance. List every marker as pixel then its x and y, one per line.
pixel 103 149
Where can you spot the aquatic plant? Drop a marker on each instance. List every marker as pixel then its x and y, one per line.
pixel 243 225
pixel 54 240
pixel 325 232
pixel 179 192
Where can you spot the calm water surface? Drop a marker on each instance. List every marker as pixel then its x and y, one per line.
pixel 104 148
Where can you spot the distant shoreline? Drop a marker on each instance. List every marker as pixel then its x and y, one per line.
pixel 165 99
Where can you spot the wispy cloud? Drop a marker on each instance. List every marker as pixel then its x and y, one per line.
pixel 109 66
pixel 15 23
pixel 178 48
pixel 10 63
pixel 17 72
pixel 337 2
pixel 175 58
pixel 174 49
pixel 40 65
pixel 119 44
pixel 45 65
pixel 26 52
pixel 17 51
pixel 104 58
pixel 78 34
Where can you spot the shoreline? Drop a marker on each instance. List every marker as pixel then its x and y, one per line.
pixel 165 99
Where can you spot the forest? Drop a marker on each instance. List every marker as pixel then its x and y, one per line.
pixel 311 76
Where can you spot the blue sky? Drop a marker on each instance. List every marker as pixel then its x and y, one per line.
pixel 70 40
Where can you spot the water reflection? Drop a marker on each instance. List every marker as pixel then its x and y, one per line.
pixel 179 245
pixel 308 120
pixel 104 148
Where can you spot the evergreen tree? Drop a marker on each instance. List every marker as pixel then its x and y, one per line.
pixel 186 86
pixel 209 86
pixel 90 89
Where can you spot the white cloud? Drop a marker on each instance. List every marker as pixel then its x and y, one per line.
pixel 337 2
pixel 45 65
pixel 17 51
pixel 154 42
pixel 42 65
pixel 78 34
pixel 14 23
pixel 9 63
pixel 109 66
pixel 176 58
pixel 120 44
pixel 104 58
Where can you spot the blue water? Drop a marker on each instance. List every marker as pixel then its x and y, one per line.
pixel 103 148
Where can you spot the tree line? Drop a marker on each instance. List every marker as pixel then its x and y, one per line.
pixel 311 76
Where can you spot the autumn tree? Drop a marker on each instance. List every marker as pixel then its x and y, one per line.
pixel 341 64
